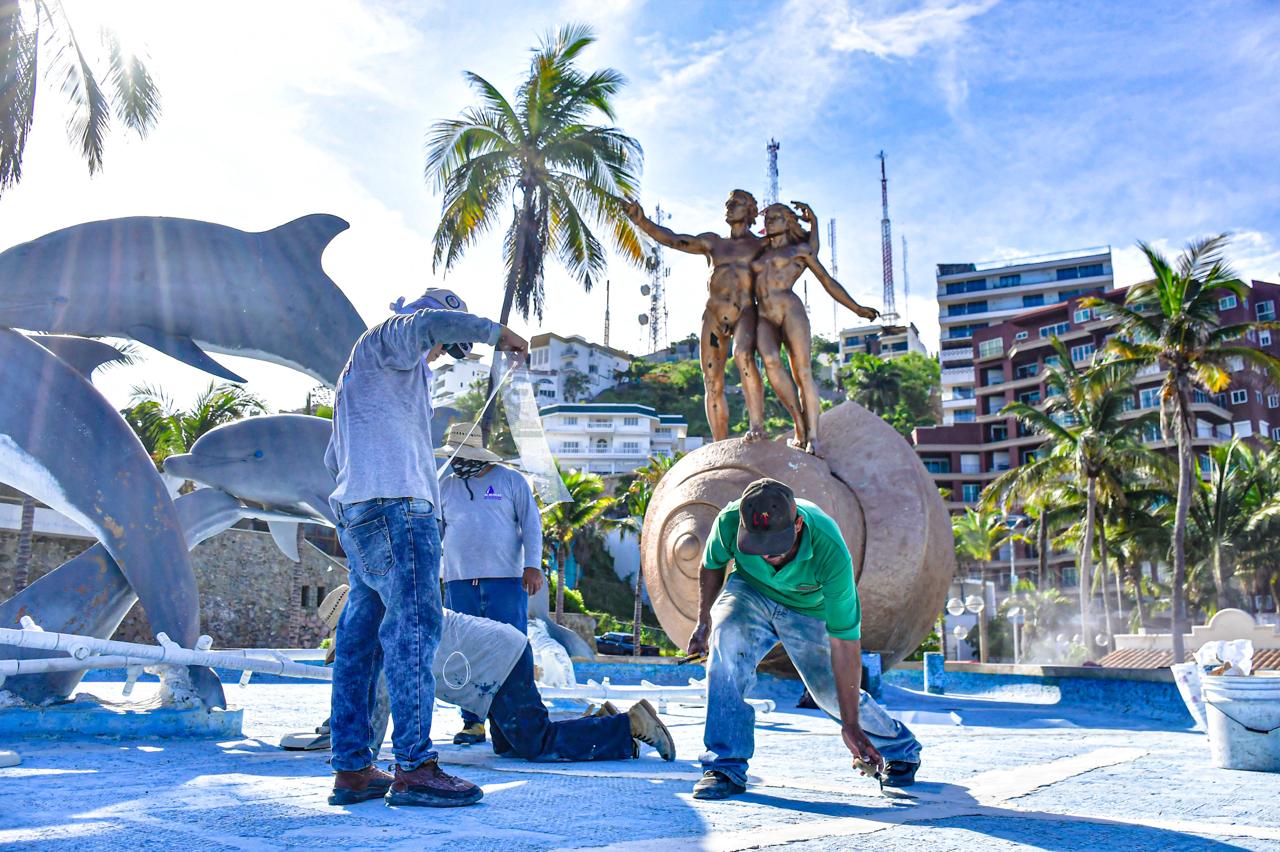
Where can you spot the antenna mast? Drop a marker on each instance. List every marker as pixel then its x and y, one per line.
pixel 889 313
pixel 906 285
pixel 835 273
pixel 655 265
pixel 606 312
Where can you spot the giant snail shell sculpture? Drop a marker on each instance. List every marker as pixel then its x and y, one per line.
pixel 868 479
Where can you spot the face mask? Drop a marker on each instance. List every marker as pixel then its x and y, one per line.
pixel 467 468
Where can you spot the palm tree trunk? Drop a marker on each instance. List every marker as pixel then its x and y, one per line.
pixel 523 230
pixel 1178 616
pixel 635 628
pixel 1102 575
pixel 26 532
pixel 1042 550
pixel 559 590
pixel 1085 580
pixel 1227 596
pixel 1136 573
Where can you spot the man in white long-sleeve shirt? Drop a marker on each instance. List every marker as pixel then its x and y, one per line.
pixel 492 545
pixel 387 498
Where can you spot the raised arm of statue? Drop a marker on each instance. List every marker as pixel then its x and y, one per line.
pixel 807 215
pixel 833 288
pixel 700 244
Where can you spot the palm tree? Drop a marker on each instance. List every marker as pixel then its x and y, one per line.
pixel 166 429
pixel 978 535
pixel 873 383
pixel 1223 508
pixel 636 501
pixel 1173 322
pixel 561 522
pixel 540 153
pixel 37 34
pixel 1090 446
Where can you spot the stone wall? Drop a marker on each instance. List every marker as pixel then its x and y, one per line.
pixel 247 587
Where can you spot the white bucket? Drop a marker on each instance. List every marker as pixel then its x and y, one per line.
pixel 1244 721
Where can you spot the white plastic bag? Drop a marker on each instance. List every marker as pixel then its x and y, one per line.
pixel 554 666
pixel 1186 676
pixel 1237 654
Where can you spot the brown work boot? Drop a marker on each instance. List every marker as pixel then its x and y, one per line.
pixel 359 786
pixel 605 709
pixel 429 787
pixel 648 728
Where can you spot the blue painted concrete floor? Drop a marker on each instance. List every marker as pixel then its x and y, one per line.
pixel 996 775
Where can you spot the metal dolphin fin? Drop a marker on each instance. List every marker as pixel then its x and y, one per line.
pixel 307 236
pixel 285 535
pixel 84 354
pixel 183 349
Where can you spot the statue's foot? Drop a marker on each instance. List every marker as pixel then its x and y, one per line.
pixel 812 448
pixel 798 444
pixel 755 433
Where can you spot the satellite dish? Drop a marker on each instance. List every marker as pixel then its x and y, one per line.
pixel 644 289
pixel 644 319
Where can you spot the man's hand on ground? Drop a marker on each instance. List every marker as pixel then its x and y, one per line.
pixel 509 341
pixel 859 746
pixel 698 640
pixel 532 581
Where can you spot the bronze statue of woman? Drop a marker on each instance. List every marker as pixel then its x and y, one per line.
pixel 782 320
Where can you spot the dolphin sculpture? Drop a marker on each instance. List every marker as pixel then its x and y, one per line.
pixel 62 443
pixel 183 286
pixel 89 595
pixel 81 353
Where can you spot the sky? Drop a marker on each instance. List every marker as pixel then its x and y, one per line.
pixel 1010 129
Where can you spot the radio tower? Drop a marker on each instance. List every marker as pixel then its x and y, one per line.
pixel 658 271
pixel 906 285
pixel 771 194
pixel 606 312
pixel 889 313
pixel 835 273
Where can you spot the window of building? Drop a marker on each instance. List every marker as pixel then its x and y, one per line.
pixel 852 340
pixel 1083 352
pixel 937 465
pixel 602 446
pixel 1265 311
pixel 1239 397
pixel 1258 396
pixel 1235 363
pixel 1275 433
pixel 1082 315
pixel 988 348
pixel 631 421
pixel 1028 456
pixel 571 421
pixel 994 404
pixel 1033 301
pixel 1011 280
pixel 599 423
pixel 1090 270
pixel 662 430
pixel 1243 428
pixel 1149 398
pixel 1264 337
pixel 305 601
pixel 1029 397
pixel 970 463
pixel 1055 330
pixel 549 393
pixel 970 492
pixel 1151 433
pixel 1022 335
pixel 1273 400
pixel 631 447
pixel 967 308
pixel 568 446
pixel 998 433
pixel 1026 371
pixel 962 393
pixel 965 415
pixel 992 376
pixel 1226 303
pixel 1127 404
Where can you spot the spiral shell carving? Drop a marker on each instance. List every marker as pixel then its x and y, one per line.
pixel 869 480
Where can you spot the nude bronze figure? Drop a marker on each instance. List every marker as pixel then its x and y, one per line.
pixel 729 320
pixel 782 321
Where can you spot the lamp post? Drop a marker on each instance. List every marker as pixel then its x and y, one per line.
pixel 1012 522
pixel 1014 614
pixel 955 607
pixel 976 605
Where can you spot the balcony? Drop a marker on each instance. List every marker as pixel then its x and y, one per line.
pixel 600 426
pixel 958 376
pixel 952 355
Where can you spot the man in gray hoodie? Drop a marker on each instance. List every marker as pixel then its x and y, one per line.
pixel 386 501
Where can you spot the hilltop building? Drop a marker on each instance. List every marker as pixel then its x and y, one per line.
pixel 873 340
pixel 613 438
pixel 454 379
pixel 570 369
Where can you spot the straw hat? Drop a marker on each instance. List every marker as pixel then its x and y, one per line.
pixel 467 447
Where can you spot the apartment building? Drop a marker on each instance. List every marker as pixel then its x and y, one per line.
pixel 454 379
pixel 873 340
pixel 976 296
pixel 1009 363
pixel 567 367
pixel 613 438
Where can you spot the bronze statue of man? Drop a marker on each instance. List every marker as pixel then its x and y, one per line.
pixel 729 320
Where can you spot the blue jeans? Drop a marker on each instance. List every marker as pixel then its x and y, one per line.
pixel 496 598
pixel 526 730
pixel 745 625
pixel 392 615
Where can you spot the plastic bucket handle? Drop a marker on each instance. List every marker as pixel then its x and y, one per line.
pixel 1264 732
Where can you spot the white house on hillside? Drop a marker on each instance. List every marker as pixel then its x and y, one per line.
pixel 451 380
pixel 571 369
pixel 610 438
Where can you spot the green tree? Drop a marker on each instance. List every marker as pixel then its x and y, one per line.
pixel 904 391
pixel 577 385
pixel 562 522
pixel 978 535
pixel 635 502
pixel 540 154
pixel 166 429
pixel 873 383
pixel 1172 322
pixel 1089 444
pixel 101 87
pixel 1222 512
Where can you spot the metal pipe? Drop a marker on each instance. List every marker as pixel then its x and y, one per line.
pixel 84 649
pixel 592 690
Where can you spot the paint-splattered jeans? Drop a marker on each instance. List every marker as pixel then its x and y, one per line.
pixel 527 731
pixel 392 615
pixel 745 625
pixel 497 598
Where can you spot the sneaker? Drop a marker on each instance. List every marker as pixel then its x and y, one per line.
pixel 470 735
pixel 429 787
pixel 716 785
pixel 648 728
pixel 360 786
pixel 605 709
pixel 899 773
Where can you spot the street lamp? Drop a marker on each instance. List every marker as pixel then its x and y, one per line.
pixel 1013 612
pixel 1012 522
pixel 975 604
pixel 955 607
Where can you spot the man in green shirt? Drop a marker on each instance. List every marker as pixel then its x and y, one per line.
pixel 792 582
